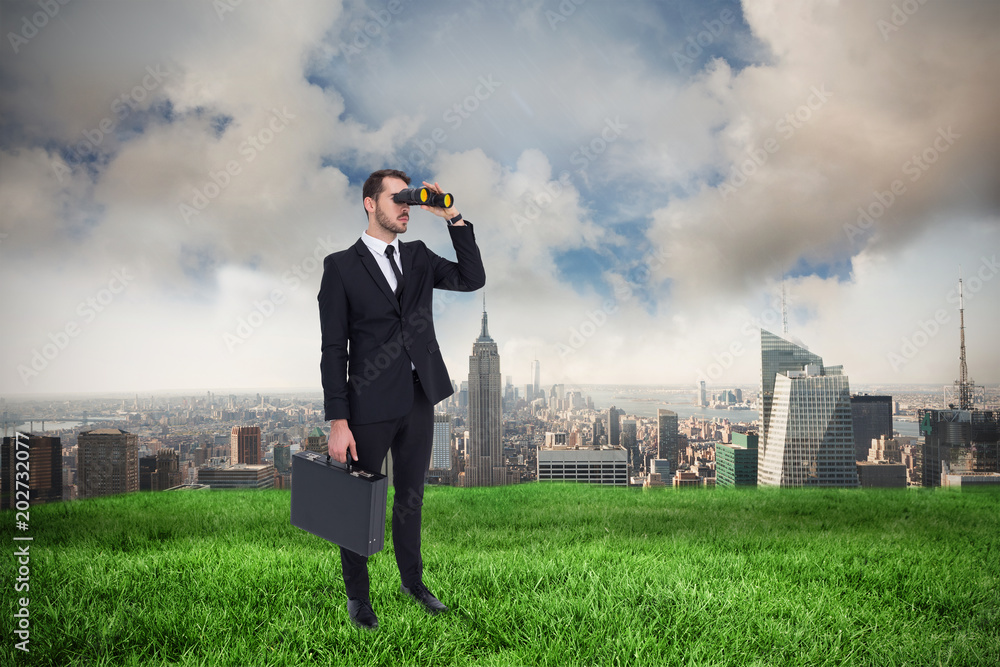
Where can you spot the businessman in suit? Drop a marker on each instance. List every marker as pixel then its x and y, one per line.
pixel 382 367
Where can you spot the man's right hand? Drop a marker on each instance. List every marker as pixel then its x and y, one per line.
pixel 341 440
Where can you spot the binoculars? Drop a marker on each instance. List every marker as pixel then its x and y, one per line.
pixel 423 196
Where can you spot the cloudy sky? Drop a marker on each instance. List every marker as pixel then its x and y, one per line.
pixel 643 176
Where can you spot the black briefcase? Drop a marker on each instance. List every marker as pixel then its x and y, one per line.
pixel 339 502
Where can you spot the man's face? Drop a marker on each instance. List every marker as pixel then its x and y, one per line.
pixel 389 215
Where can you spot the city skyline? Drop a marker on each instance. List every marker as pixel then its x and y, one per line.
pixel 645 182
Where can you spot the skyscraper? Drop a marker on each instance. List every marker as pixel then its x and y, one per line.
pixel 736 464
pixel 244 445
pixel 701 397
pixel 597 431
pixel 441 447
pixel 614 426
pixel 536 384
pixel 872 418
pixel 777 355
pixel 485 459
pixel 630 444
pixel 667 441
pixel 168 473
pixel 107 462
pixel 282 458
pixel 809 437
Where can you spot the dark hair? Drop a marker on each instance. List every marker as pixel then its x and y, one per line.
pixel 373 186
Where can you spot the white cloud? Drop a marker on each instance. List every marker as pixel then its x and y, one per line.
pixel 583 140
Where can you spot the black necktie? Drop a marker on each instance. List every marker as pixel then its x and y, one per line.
pixel 390 251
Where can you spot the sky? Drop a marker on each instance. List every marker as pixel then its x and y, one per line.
pixel 645 179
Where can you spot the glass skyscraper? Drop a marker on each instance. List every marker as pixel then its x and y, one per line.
pixel 777 355
pixel 806 415
pixel 872 417
pixel 441 447
pixel 667 441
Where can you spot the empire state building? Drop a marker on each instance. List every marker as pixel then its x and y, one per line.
pixel 485 464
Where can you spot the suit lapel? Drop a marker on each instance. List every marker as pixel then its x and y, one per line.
pixel 375 272
pixel 406 254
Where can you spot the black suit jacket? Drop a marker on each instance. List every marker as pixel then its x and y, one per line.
pixel 370 338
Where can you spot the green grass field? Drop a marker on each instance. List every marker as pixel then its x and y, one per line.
pixel 534 574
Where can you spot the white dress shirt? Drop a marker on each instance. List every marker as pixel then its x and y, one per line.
pixel 378 251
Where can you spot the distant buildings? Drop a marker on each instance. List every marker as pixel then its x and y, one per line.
pixel 808 435
pixel 685 478
pixel 663 467
pixel 982 480
pixel 241 476
pixel 667 439
pixel 615 426
pixel 736 463
pixel 598 436
pixel 42 457
pixel 316 441
pixel 168 473
pixel 871 417
pixel 160 471
pixel 608 465
pixel 958 442
pixel 245 445
pixel 282 458
pixel 441 444
pixel 629 442
pixel 107 462
pixel 879 474
pixel 536 384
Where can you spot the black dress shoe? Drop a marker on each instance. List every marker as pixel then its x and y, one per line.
pixel 361 614
pixel 420 593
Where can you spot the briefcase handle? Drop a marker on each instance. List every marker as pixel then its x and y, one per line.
pixel 344 466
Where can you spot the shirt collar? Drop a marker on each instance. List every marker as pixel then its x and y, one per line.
pixel 378 246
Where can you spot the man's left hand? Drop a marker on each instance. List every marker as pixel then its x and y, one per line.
pixel 446 213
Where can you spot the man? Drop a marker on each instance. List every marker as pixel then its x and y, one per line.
pixel 382 367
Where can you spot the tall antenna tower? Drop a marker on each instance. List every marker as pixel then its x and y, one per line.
pixel 784 311
pixel 965 386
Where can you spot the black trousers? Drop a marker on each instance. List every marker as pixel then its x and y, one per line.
pixel 410 437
